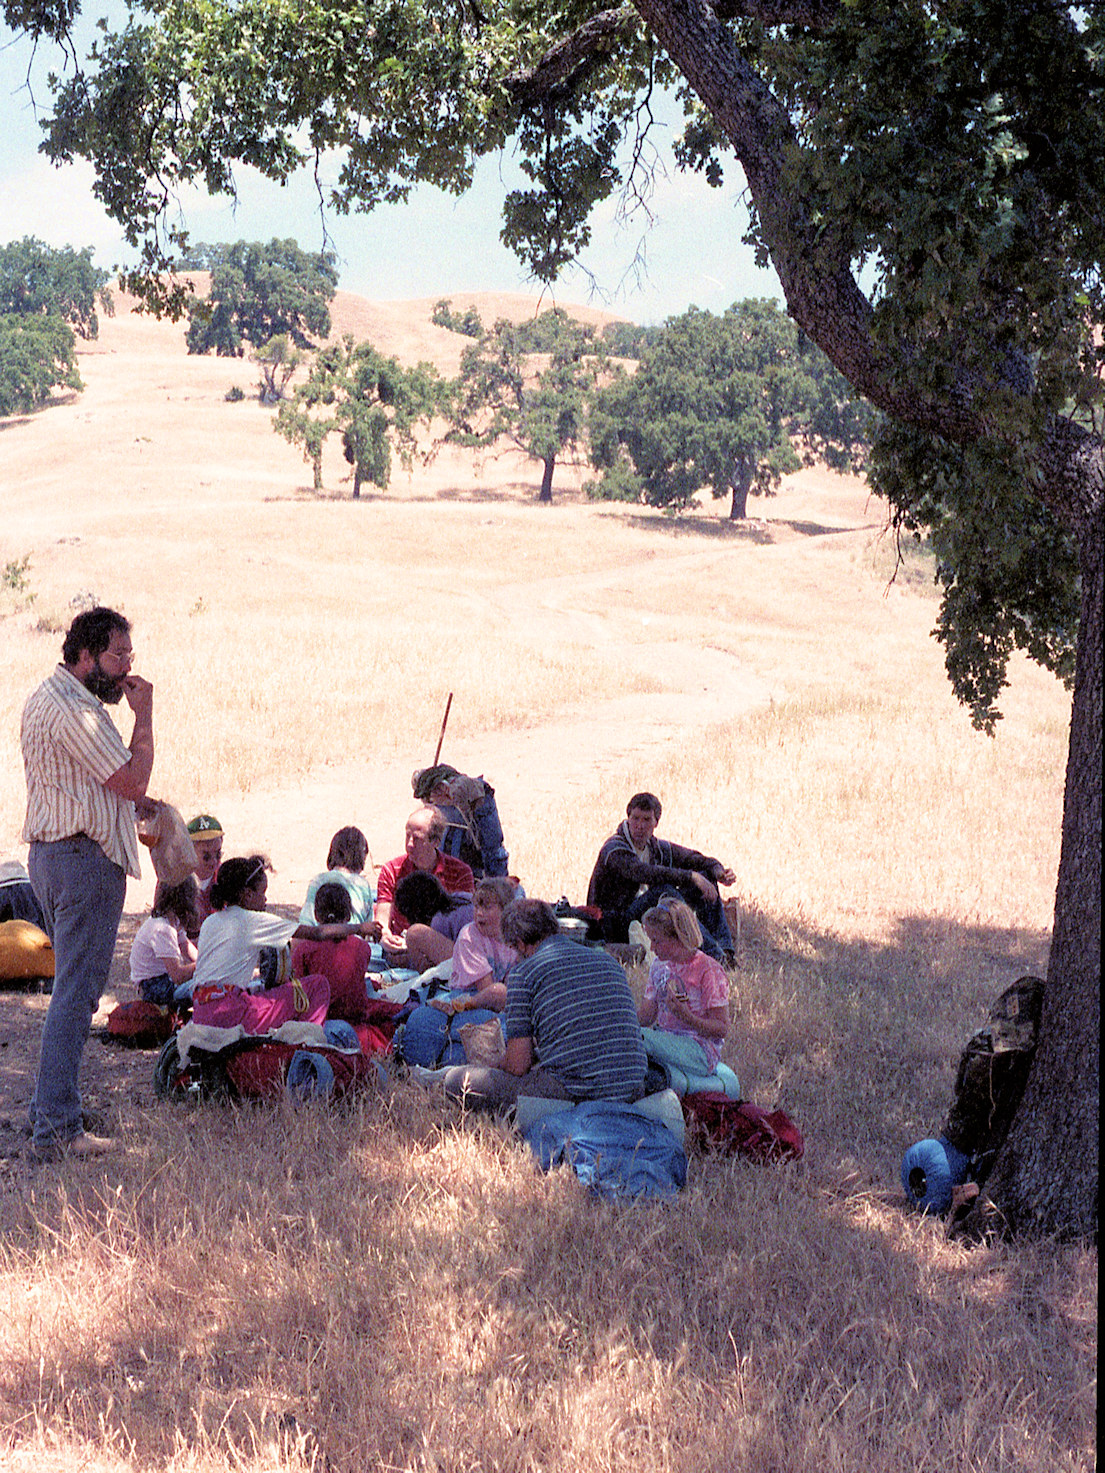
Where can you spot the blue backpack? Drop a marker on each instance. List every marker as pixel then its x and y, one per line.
pixel 480 846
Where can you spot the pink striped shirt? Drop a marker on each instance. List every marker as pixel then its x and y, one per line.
pixel 71 747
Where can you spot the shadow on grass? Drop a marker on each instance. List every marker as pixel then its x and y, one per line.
pixel 512 494
pixel 819 529
pixel 749 530
pixel 718 529
pixel 57 401
pixel 860 1039
pixel 354 1237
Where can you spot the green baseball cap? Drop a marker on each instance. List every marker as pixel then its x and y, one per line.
pixel 203 826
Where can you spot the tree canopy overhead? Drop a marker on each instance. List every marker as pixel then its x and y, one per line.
pixel 953 148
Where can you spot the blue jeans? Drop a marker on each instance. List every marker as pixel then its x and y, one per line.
pixel 160 990
pixel 81 893
pixel 717 939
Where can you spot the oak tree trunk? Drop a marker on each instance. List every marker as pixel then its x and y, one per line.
pixel 1045 1177
pixel 740 486
pixel 545 494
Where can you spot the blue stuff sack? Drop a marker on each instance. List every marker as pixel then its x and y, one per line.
pixel 431 1038
pixel 341 1035
pixel 930 1171
pixel 613 1149
pixel 310 1076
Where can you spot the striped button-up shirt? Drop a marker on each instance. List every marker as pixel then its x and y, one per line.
pixel 71 747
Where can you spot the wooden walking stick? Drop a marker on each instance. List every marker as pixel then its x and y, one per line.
pixel 444 723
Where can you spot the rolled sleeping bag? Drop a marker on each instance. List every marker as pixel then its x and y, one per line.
pixel 310 1076
pixel 930 1170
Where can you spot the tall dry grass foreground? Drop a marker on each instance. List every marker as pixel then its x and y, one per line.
pixel 394 1286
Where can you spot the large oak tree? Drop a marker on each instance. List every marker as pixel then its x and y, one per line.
pixel 259 291
pixel 955 148
pixel 39 279
pixel 371 399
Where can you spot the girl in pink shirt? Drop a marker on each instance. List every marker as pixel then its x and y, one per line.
pixel 687 991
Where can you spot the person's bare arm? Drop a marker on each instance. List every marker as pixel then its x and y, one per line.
pixel 178 971
pixel 646 1013
pixel 337 931
pixel 489 994
pixel 389 939
pixel 133 778
pixel 713 1023
pixel 518 1057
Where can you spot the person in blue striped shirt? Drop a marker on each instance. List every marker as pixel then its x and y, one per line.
pixel 570 1021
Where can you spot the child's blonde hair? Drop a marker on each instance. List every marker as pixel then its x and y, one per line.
pixel 676 920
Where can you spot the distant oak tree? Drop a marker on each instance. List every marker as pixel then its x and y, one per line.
pixel 724 402
pixel 260 291
pixel 278 360
pixel 527 385
pixel 36 357
pixel 371 400
pixel 39 279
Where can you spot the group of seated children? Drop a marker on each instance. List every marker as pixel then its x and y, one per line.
pixel 208 935
pixel 233 938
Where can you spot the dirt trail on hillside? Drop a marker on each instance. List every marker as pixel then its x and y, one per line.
pixel 550 765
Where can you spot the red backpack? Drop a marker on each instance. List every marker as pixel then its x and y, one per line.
pixel 733 1127
pixel 140 1024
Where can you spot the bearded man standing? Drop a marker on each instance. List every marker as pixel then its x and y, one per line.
pixel 82 784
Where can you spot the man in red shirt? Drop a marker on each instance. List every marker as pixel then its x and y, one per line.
pixel 425 829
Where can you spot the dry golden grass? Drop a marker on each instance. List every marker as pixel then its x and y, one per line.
pixel 394 1286
pixel 415 1296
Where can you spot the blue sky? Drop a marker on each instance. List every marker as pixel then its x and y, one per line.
pixel 432 246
